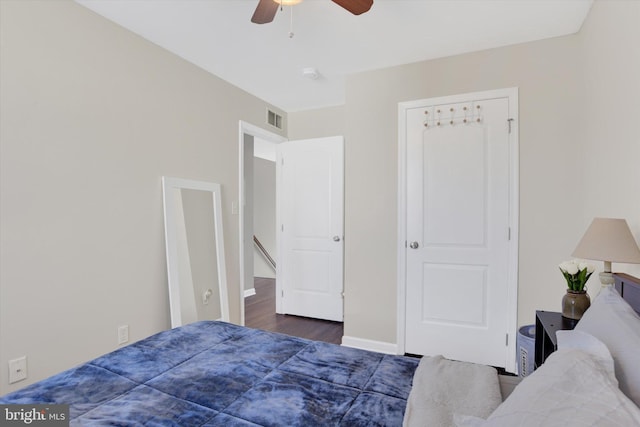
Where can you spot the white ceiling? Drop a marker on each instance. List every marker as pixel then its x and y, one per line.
pixel 218 36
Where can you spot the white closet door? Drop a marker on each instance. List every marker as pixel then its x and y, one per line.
pixel 458 199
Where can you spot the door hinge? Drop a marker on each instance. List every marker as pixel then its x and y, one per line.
pixel 282 293
pixel 509 233
pixel 281 227
pixel 509 122
pixel 282 161
pixel 506 340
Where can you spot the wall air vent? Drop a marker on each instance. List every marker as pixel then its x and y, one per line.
pixel 274 119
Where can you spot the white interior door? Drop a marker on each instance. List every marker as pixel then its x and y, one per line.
pixel 310 203
pixel 458 231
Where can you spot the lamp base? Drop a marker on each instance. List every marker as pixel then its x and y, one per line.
pixel 606 278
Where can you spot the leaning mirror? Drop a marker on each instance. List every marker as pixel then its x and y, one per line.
pixel 195 251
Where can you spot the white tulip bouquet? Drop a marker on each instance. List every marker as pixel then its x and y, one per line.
pixel 576 273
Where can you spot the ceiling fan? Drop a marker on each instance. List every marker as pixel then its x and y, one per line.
pixel 266 9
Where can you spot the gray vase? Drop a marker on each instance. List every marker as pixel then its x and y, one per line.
pixel 574 304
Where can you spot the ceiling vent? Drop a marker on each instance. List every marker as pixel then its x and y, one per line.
pixel 274 119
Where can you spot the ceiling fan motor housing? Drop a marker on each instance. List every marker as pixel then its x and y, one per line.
pixel 266 9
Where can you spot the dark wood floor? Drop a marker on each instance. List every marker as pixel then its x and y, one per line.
pixel 260 312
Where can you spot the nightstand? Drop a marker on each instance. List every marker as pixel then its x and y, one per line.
pixel 547 323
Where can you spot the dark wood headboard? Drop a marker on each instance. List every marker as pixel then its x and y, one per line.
pixel 629 287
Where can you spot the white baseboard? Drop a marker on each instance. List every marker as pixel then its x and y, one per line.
pixel 365 344
pixel 249 292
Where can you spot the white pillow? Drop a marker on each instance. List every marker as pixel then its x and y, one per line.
pixel 612 320
pixel 592 345
pixel 572 388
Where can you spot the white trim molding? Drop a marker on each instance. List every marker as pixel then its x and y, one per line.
pixel 371 345
pixel 249 292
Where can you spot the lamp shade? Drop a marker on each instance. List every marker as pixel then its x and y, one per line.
pixel 608 239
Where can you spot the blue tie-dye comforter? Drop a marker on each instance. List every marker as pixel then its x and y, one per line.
pixel 220 374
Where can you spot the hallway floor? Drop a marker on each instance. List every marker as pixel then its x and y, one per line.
pixel 260 313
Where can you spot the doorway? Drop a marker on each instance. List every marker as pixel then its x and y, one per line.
pixel 309 223
pixel 248 134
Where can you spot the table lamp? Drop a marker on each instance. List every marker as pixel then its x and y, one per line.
pixel 609 240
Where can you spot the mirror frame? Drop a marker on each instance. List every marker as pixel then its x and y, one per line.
pixel 171 243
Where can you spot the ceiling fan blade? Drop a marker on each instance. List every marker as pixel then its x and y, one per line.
pixel 265 12
pixel 356 7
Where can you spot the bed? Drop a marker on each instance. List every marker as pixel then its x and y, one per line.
pixel 218 374
pixel 215 373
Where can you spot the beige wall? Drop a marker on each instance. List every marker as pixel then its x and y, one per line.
pixel 91 117
pixel 319 123
pixel 562 142
pixel 611 145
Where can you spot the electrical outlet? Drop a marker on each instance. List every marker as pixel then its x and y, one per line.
pixel 17 369
pixel 123 334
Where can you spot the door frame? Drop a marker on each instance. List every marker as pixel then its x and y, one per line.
pixel 245 128
pixel 512 298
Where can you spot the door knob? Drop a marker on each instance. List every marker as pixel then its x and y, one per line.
pixel 336 238
pixel 413 245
